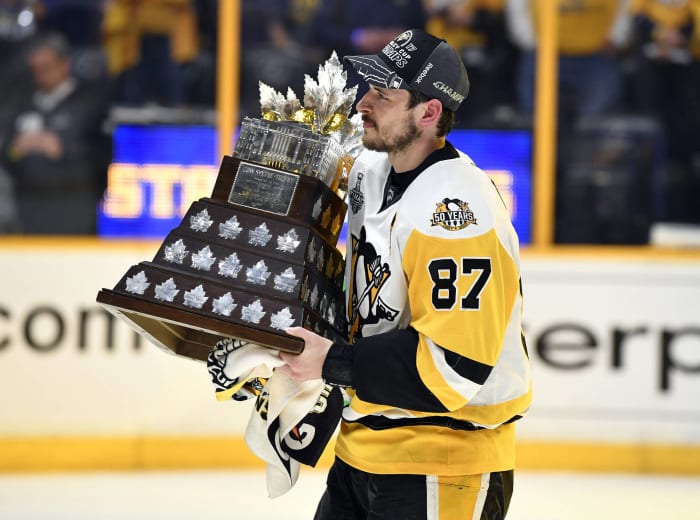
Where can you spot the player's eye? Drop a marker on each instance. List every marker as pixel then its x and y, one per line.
pixel 379 93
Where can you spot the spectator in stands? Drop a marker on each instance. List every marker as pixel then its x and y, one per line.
pixel 662 41
pixel 695 37
pixel 477 29
pixel 200 72
pixel 147 42
pixel 695 67
pixel 53 145
pixel 694 109
pixel 663 88
pixel 591 35
pixel 663 30
pixel 80 23
pixel 18 23
pixel 17 26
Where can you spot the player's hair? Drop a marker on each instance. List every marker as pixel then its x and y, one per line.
pixel 447 117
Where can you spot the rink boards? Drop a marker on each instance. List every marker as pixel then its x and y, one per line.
pixel 613 335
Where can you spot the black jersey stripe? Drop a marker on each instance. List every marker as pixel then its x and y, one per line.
pixel 468 368
pixel 385 372
pixel 380 422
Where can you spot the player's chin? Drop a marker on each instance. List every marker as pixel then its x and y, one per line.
pixel 371 140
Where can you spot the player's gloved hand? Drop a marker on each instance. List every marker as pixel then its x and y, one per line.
pixel 216 365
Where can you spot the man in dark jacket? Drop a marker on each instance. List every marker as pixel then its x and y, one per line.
pixel 54 144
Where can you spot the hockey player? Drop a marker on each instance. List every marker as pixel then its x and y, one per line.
pixel 436 364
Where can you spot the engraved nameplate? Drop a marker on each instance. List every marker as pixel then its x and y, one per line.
pixel 263 188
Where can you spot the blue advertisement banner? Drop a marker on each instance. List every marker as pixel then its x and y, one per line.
pixel 159 170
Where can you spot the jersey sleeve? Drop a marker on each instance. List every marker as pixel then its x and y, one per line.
pixel 462 292
pixel 459 256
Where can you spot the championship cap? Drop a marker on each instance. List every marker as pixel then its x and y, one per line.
pixel 417 60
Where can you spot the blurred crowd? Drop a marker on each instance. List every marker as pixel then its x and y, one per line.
pixel 629 91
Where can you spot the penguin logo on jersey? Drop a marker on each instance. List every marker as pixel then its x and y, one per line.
pixel 357 199
pixel 368 277
pixel 452 214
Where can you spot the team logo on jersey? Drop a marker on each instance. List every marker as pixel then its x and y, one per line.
pixel 368 277
pixel 357 199
pixel 452 214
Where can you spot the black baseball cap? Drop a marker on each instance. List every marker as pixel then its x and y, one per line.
pixel 418 60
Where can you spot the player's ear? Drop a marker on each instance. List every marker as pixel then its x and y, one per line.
pixel 431 112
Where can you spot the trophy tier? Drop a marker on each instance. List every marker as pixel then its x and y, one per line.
pixel 187 315
pixel 257 257
pixel 280 193
pixel 224 226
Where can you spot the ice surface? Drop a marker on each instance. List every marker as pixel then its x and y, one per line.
pixel 242 494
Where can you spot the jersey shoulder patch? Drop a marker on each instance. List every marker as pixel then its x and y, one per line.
pixel 448 199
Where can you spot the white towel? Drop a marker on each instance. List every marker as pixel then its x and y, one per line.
pixel 243 362
pixel 280 407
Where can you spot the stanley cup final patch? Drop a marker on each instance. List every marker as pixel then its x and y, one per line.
pixel 357 199
pixel 452 214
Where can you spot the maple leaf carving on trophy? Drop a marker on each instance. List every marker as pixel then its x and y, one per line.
pixel 326 108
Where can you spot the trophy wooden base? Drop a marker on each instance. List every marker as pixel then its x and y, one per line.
pixel 184 333
pixel 257 257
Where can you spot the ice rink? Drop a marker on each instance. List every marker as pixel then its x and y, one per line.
pixel 234 495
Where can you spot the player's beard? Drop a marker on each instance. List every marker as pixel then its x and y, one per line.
pixel 392 143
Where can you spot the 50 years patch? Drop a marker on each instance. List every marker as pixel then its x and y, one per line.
pixel 452 214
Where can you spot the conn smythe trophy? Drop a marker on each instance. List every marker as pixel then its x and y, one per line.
pixel 259 255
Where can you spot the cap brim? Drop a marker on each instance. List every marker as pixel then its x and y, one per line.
pixel 375 71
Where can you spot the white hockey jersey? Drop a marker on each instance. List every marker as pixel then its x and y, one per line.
pixel 434 310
